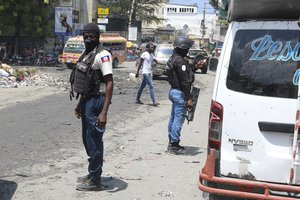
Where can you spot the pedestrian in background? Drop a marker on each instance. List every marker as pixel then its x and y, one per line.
pixel 93 107
pixel 146 61
pixel 180 76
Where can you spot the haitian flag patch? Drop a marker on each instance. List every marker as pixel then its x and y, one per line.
pixel 105 59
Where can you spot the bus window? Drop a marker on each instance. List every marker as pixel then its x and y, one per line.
pixel 118 51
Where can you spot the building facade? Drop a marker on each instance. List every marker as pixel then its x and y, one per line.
pixel 149 30
pixel 182 20
pixel 189 20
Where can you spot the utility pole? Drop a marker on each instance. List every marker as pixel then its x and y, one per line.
pixel 130 29
pixel 203 22
pixel 131 11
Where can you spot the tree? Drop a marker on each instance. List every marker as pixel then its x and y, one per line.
pixel 143 10
pixel 214 4
pixel 26 18
pixel 221 6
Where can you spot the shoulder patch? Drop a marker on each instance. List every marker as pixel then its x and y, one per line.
pixel 183 67
pixel 105 59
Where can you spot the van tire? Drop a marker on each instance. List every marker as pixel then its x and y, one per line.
pixel 115 63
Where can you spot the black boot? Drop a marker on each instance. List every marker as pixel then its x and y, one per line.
pixel 176 149
pixel 90 185
pixel 83 179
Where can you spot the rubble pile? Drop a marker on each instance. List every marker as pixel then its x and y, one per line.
pixel 28 76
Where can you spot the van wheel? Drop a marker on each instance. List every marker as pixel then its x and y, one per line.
pixel 115 63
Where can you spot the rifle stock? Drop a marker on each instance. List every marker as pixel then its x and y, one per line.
pixel 195 94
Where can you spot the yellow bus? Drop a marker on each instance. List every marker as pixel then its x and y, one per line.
pixel 112 42
pixel 117 45
pixel 73 48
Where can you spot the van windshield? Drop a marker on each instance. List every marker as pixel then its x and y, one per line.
pixel 74 47
pixel 265 63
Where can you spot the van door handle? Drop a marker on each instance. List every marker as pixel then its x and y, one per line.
pixel 276 127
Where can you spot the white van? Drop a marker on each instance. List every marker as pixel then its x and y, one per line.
pixel 254 103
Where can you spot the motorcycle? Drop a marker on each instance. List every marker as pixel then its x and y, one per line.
pixel 50 60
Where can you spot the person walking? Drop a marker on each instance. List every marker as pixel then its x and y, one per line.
pixel 92 108
pixel 180 77
pixel 146 61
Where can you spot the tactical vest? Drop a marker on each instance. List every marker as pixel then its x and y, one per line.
pixel 171 71
pixel 85 80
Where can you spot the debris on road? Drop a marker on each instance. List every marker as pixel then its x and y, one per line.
pixel 28 76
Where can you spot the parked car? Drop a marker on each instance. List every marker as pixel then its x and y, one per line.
pixel 251 138
pixel 162 53
pixel 196 54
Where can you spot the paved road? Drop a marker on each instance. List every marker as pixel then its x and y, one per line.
pixel 32 131
pixel 44 132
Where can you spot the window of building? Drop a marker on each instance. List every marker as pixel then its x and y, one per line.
pixel 171 10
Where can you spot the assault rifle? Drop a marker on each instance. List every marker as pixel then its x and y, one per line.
pixel 195 94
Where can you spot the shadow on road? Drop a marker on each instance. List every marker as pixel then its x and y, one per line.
pixel 115 185
pixel 192 151
pixel 7 189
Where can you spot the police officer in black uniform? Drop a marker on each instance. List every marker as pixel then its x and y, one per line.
pixel 180 77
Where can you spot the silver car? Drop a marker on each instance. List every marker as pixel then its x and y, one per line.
pixel 162 54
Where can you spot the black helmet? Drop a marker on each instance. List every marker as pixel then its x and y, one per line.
pixel 92 28
pixel 183 43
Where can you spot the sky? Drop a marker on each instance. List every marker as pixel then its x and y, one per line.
pixel 200 3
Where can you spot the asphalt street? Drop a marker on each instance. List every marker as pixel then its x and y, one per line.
pixel 44 132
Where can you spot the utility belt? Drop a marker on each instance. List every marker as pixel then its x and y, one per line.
pixel 89 96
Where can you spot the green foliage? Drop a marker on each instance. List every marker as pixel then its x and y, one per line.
pixel 142 9
pixel 31 17
pixel 223 22
pixel 214 4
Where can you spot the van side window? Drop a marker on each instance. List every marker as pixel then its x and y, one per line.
pixel 264 63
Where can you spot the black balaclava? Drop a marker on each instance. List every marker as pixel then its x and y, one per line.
pixel 181 52
pixel 91 44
